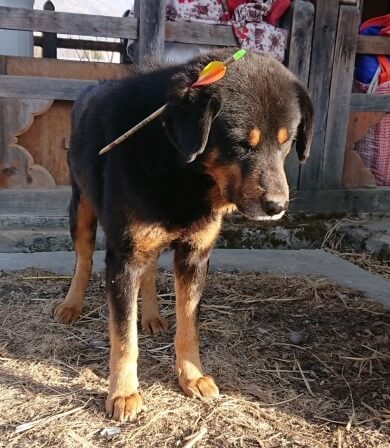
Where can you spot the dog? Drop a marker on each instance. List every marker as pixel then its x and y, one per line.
pixel 215 149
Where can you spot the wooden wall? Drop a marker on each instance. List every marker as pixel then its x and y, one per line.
pixel 42 137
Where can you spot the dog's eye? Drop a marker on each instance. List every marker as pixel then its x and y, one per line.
pixel 245 145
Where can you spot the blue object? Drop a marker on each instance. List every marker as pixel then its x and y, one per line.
pixel 366 64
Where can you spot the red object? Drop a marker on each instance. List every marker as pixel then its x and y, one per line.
pixel 278 10
pixel 374 149
pixel 384 22
pixel 232 5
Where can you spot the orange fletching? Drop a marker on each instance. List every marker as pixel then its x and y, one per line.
pixel 212 72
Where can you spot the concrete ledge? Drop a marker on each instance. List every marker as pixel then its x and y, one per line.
pixel 55 202
pixel 315 263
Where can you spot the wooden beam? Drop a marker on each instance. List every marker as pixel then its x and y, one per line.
pixel 83 44
pixel 43 202
pixel 3 113
pixel 373 45
pixel 41 88
pixel 118 27
pixel 299 55
pixel 324 39
pixel 341 202
pixel 49 40
pixel 68 23
pixel 37 202
pixel 370 103
pixel 151 26
pixel 339 101
pixel 200 33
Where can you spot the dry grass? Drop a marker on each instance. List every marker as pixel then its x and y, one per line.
pixel 300 363
pixel 366 261
pixel 334 243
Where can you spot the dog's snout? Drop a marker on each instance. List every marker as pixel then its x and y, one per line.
pixel 274 208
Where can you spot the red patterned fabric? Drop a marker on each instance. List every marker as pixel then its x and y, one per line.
pixel 254 33
pixel 277 11
pixel 248 19
pixel 374 149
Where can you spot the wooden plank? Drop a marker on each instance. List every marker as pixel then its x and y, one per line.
pixel 49 40
pixel 83 44
pixel 324 39
pixel 37 202
pixel 355 174
pixel 200 33
pixel 41 88
pixel 55 202
pixel 341 202
pixel 124 57
pixel 68 23
pixel 370 103
pixel 298 61
pixel 300 42
pixel 53 68
pixel 151 31
pixel 339 102
pixel 45 140
pixel 3 130
pixel 373 45
pixel 106 26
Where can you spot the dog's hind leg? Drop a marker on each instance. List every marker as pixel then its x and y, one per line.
pixel 152 322
pixel 83 224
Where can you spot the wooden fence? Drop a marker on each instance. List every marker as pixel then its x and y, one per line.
pixel 323 42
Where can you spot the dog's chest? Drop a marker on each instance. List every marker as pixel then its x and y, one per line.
pixel 200 234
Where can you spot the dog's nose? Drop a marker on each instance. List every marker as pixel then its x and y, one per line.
pixel 274 208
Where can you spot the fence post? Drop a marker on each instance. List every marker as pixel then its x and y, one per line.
pixel 151 30
pixel 49 40
pixel 124 57
pixel 3 130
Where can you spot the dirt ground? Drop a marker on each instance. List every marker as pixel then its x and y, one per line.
pixel 299 362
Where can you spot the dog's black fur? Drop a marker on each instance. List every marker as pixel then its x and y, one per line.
pixel 177 176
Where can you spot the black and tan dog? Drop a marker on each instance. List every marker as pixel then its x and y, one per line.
pixel 215 149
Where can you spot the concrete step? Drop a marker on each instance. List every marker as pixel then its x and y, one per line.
pixel 40 239
pixel 32 222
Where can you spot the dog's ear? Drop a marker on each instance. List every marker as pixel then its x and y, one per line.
pixel 305 128
pixel 188 117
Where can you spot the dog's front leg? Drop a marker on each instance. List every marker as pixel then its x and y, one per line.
pixel 123 281
pixel 190 273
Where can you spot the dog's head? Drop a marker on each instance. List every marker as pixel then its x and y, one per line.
pixel 241 129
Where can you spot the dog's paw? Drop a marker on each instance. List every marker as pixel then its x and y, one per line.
pixel 200 387
pixel 154 325
pixel 123 408
pixel 66 314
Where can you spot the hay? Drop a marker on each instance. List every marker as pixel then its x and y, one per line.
pixel 334 242
pixel 366 261
pixel 300 363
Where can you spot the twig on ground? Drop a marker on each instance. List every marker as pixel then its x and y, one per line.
pixel 193 439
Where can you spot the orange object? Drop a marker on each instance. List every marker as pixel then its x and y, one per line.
pixel 212 72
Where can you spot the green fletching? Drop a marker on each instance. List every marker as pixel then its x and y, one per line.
pixel 239 54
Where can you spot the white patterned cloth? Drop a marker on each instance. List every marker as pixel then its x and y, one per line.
pixel 248 21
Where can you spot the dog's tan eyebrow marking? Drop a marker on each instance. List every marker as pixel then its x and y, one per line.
pixel 282 136
pixel 254 137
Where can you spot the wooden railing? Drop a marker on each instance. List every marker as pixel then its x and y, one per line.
pixel 148 30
